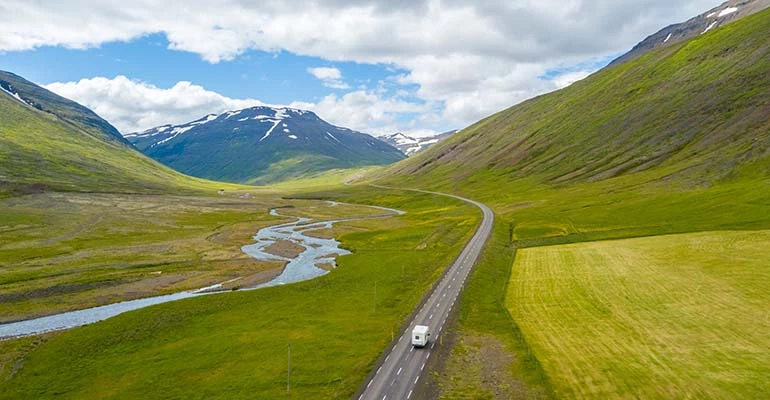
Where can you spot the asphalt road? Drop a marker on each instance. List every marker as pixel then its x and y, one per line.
pixel 403 366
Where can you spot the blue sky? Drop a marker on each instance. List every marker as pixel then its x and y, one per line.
pixel 423 67
pixel 275 77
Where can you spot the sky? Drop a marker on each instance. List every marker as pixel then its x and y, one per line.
pixel 376 66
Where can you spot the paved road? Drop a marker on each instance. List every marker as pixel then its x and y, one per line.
pixel 398 375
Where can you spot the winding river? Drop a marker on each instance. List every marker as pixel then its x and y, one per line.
pixel 317 253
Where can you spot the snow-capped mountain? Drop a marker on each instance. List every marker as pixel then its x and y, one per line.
pixel 261 144
pixel 411 146
pixel 727 12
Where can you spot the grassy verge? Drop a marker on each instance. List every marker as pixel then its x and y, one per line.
pixel 490 359
pixel 234 345
pixel 678 316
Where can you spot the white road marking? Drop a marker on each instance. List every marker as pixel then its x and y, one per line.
pixel 369 384
pixel 378 371
pixel 416 379
pixel 399 372
pixel 409 395
pixel 423 366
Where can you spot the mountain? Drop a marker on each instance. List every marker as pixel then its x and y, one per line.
pixel 67 111
pixel 727 12
pixel 260 145
pixel 410 145
pixel 695 112
pixel 50 143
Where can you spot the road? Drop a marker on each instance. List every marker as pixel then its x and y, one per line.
pixel 402 368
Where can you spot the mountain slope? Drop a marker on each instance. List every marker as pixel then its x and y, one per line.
pixel 261 144
pixel 64 109
pixel 50 143
pixel 696 112
pixel 410 145
pixel 729 11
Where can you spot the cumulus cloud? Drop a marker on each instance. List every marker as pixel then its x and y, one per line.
pixel 135 106
pixel 474 57
pixel 362 110
pixel 569 78
pixel 331 77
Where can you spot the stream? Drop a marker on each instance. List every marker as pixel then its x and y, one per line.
pixel 307 265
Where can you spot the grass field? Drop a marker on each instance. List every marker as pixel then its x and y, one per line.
pixel 234 345
pixel 677 316
pixel 64 251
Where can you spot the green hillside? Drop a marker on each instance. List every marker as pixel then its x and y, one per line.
pixel 676 141
pixel 53 143
pixel 65 110
pixel 695 112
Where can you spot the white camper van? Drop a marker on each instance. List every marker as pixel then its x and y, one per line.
pixel 420 336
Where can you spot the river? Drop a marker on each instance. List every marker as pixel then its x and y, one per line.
pixel 307 265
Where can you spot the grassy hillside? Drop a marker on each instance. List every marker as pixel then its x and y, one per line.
pixel 695 112
pixel 65 110
pixel 677 141
pixel 42 150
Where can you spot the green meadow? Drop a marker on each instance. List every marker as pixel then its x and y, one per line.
pixel 673 316
pixel 234 345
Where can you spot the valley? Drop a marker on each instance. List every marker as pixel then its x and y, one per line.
pixel 605 236
pixel 402 255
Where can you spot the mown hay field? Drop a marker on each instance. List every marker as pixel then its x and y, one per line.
pixel 675 316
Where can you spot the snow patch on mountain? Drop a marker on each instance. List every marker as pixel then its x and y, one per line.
pixel 13 94
pixel 728 11
pixel 710 27
pixel 269 131
pixel 411 146
pixel 332 136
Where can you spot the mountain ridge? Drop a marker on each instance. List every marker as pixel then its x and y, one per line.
pixel 723 14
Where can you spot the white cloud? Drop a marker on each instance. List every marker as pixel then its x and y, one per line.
pixel 325 73
pixel 135 106
pixel 569 78
pixel 362 110
pixel 331 77
pixel 473 57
